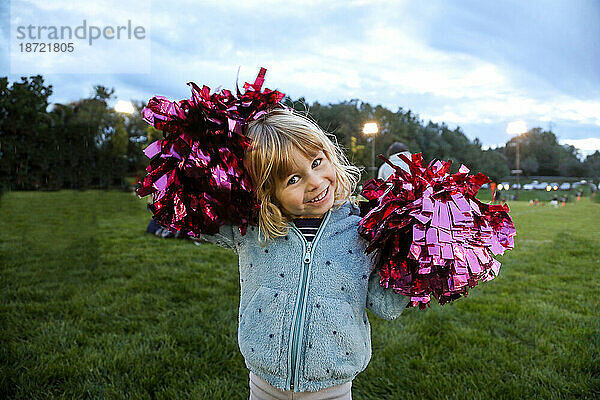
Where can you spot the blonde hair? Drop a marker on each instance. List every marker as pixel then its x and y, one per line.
pixel 269 160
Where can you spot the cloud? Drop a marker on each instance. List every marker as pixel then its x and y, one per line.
pixel 588 145
pixel 506 108
pixel 554 41
pixel 467 63
pixel 125 49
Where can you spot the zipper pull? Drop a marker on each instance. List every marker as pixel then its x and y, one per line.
pixel 308 255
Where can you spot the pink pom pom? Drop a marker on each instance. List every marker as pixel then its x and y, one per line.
pixel 431 235
pixel 196 174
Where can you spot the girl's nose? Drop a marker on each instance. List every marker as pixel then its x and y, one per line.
pixel 314 182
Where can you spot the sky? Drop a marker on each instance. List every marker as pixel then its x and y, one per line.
pixel 472 64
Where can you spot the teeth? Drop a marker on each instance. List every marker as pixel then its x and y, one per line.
pixel 320 197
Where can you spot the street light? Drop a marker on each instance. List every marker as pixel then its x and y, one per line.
pixel 517 128
pixel 370 129
pixel 124 106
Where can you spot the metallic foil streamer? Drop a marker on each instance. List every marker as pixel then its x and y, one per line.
pixel 431 235
pixel 196 174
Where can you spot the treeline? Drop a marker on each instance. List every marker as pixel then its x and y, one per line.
pixel 541 154
pixel 80 145
pixel 87 144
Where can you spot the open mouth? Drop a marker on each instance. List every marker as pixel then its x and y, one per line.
pixel 320 197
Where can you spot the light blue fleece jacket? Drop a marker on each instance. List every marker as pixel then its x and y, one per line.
pixel 302 319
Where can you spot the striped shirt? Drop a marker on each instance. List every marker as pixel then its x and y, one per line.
pixel 308 227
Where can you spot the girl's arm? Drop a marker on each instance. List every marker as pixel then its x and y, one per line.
pixel 224 237
pixel 385 303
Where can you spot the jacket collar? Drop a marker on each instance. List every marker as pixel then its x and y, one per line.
pixel 336 213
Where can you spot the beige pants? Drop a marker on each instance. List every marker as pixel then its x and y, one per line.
pixel 263 390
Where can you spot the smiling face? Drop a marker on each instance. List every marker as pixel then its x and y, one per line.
pixel 309 188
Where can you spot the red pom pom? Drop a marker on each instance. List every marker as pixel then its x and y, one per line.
pixel 431 235
pixel 196 174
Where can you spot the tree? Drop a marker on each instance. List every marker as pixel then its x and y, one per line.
pixel 94 142
pixel 592 165
pixel 140 135
pixel 530 166
pixel 25 133
pixel 541 154
pixel 496 165
pixel 568 162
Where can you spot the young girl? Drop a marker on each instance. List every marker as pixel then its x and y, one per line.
pixel 305 278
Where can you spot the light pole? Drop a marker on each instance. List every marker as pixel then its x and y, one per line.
pixel 517 128
pixel 370 129
pixel 124 107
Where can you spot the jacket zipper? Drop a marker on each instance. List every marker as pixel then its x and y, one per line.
pixel 300 308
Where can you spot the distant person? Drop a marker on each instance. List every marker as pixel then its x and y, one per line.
pixel 393 154
pixel 155 229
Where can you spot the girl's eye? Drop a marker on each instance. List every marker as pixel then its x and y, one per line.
pixel 317 162
pixel 293 180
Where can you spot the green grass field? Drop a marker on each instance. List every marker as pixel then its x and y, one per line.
pixel 91 307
